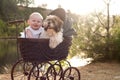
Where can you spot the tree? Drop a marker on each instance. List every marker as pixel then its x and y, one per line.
pixel 107 24
pixel 98 36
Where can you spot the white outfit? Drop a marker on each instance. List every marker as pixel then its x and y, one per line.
pixel 35 33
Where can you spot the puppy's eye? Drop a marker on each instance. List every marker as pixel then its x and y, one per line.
pixel 52 21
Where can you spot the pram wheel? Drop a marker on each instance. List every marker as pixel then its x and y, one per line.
pixel 20 70
pixel 54 72
pixel 71 73
pixel 38 72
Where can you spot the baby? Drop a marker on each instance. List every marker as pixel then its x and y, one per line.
pixel 35 28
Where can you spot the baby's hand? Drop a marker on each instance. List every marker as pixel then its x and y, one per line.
pixel 29 34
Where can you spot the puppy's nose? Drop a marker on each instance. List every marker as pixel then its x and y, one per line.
pixel 48 23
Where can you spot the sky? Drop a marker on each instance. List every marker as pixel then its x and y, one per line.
pixel 81 6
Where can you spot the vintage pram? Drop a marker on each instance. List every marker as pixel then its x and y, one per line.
pixel 39 62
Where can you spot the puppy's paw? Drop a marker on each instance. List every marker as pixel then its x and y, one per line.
pixel 51 32
pixel 53 43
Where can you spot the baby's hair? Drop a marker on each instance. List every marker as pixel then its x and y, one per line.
pixel 36 13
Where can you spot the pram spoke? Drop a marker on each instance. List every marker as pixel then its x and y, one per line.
pixel 38 72
pixel 71 73
pixel 54 72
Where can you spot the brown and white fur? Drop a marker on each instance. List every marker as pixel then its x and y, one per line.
pixel 53 30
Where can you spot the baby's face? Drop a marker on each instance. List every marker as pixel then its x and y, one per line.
pixel 35 22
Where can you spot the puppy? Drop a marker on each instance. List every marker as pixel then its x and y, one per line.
pixel 53 30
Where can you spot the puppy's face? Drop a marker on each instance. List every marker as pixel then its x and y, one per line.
pixel 53 22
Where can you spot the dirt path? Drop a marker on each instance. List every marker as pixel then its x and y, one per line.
pixel 100 71
pixel 94 71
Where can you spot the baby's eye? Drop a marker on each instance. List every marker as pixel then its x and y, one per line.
pixel 39 21
pixel 33 20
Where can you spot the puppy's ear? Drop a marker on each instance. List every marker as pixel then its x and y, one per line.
pixel 57 29
pixel 45 26
pixel 60 25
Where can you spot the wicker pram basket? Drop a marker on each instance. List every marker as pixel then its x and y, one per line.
pixel 38 50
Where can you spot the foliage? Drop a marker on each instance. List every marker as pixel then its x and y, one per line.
pixel 7 51
pixel 3 28
pixel 7 8
pixel 92 38
pixel 26 11
pixel 115 46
